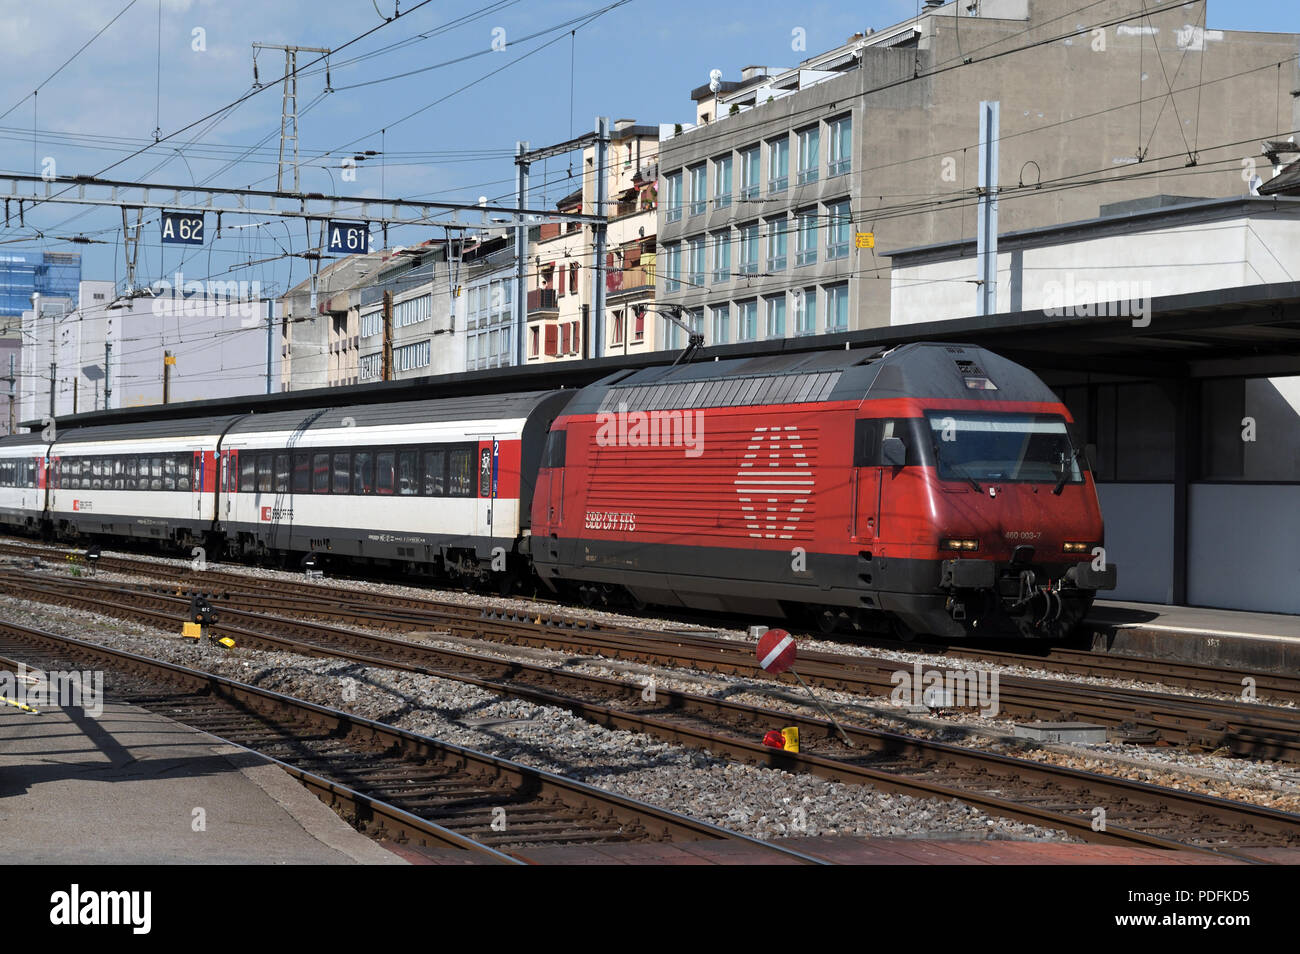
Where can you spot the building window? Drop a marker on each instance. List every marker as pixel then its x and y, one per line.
pixel 534 341
pixel 699 189
pixel 694 319
pixel 839 222
pixel 371 366
pixel 808 157
pixel 806 241
pixel 673 196
pixel 722 182
pixel 673 272
pixel 412 356
pixel 489 321
pixel 372 324
pixel 749 166
pixel 805 311
pixel 616 327
pixel 840 146
pixel 695 262
pixel 638 327
pixel 837 307
pixel 748 319
pixel 775 316
pixel 721 257
pixel 778 165
pixel 413 311
pixel 573 278
pixel 777 234
pixel 748 264
pixel 720 317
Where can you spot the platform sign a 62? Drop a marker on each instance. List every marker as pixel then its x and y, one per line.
pixel 182 228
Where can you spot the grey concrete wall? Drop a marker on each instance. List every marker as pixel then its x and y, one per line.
pixel 1245 553
pixel 1139 539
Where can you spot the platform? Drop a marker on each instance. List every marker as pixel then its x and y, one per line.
pixel 124 789
pixel 1265 642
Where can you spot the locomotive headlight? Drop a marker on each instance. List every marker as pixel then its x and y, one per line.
pixel 955 544
pixel 1077 547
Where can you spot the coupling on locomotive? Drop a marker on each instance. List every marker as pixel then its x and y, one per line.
pixel 932 488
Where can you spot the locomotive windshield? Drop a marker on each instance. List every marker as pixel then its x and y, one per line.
pixel 980 446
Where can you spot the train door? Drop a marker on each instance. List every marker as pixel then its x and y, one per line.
pixel 196 484
pixel 489 462
pixel 548 495
pixel 864 521
pixel 229 484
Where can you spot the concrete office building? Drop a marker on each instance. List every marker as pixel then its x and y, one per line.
pixel 219 344
pixel 765 194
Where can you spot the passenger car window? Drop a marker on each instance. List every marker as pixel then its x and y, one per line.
pixel 406 480
pixel 320 474
pixel 385 478
pixel 363 472
pixel 342 473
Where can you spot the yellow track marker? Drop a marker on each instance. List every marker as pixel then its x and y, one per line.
pixel 20 706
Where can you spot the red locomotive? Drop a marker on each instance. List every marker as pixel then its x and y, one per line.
pixel 934 487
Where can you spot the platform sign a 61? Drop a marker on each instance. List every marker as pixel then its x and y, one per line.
pixel 349 238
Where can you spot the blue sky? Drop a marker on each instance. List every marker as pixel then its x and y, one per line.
pixel 639 60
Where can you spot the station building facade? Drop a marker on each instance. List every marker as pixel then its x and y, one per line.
pixel 1184 378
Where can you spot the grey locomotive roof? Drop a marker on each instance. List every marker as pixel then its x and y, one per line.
pixel 518 405
pixel 940 370
pixel 146 430
pixel 925 370
pixel 22 440
pixel 789 378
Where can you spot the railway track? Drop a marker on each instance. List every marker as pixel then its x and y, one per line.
pixel 1052 796
pixel 1245 729
pixel 388 782
pixel 1274 687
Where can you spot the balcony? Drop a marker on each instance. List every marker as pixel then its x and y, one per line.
pixel 627 282
pixel 541 299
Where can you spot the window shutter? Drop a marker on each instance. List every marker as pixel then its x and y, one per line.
pixel 552 332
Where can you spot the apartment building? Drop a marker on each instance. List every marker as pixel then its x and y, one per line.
pixel 779 198
pixel 562 257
